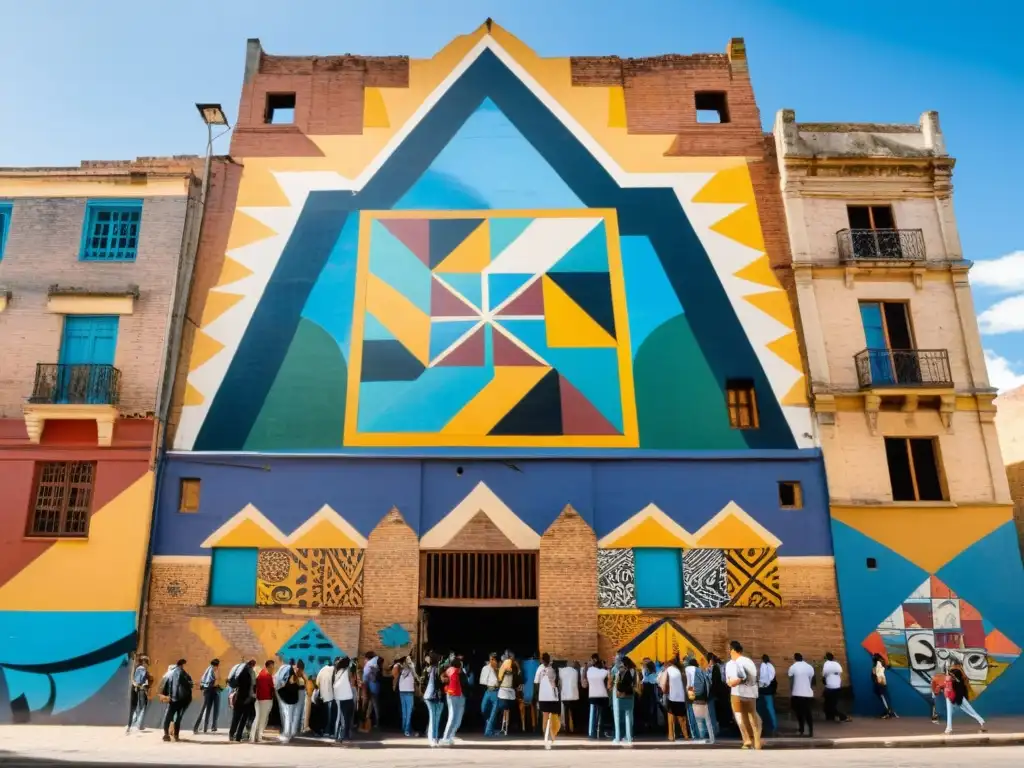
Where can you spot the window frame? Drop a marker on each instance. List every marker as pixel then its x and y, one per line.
pixel 798 494
pixel 737 386
pixel 182 484
pixel 37 479
pixel 885 323
pixel 269 108
pixel 940 474
pixel 871 214
pixel 98 205
pixel 6 214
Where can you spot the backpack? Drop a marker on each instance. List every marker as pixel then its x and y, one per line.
pixel 282 676
pixel 700 687
pixel 625 685
pixel 233 675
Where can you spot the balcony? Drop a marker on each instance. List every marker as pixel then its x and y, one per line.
pixel 873 245
pixel 900 368
pixel 73 391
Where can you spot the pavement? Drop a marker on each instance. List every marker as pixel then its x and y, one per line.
pixel 860 743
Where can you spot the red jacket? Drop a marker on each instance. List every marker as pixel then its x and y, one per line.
pixel 264 686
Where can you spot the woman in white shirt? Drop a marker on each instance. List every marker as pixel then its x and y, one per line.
pixel 345 690
pixel 545 682
pixel 404 680
pixel 597 688
pixel 672 685
pixel 881 689
pixel 569 693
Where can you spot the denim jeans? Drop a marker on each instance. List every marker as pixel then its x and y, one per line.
pixel 966 708
pixel 488 704
pixel 137 718
pixel 406 697
pixel 766 709
pixel 596 710
pixel 624 715
pixel 615 716
pixel 501 706
pixel 702 716
pixel 456 708
pixel 434 719
pixel 210 709
pixel 346 710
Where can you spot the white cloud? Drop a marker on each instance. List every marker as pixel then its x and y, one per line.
pixel 1004 316
pixel 1001 374
pixel 1005 273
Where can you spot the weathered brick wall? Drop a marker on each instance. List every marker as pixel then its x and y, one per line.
pixel 567 588
pixel 391 583
pixel 43 244
pixel 480 535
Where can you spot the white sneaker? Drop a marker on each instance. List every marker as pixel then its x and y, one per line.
pixel 948 732
pixel 547 744
pixel 433 743
pixel 616 742
pixel 627 744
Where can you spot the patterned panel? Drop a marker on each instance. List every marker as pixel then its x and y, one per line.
pixel 620 628
pixel 310 578
pixel 343 578
pixel 616 578
pixel 704 580
pixel 752 577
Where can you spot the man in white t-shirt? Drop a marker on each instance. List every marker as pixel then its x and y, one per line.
pixel 832 674
pixel 741 676
pixel 489 681
pixel 801 693
pixel 569 693
pixel 546 684
pixel 597 688
pixel 325 684
pixel 673 685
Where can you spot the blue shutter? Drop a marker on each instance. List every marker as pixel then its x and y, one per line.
pixel 86 352
pixel 233 576
pixel 874 335
pixel 5 224
pixel 659 578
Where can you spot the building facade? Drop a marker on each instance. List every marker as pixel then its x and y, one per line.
pixel 1010 424
pixel 496 351
pixel 89 270
pixel 922 522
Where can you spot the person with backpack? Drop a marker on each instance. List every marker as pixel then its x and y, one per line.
pixel 627 683
pixel 698 693
pixel 242 698
pixel 546 683
pixel 370 692
pixel 176 690
pixel 291 692
pixel 958 693
pixel 430 682
pixel 211 687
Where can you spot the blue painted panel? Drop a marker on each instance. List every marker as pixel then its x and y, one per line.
pixel 393 262
pixel 330 302
pixel 47 637
pixel 111 230
pixel 874 335
pixel 650 298
pixel 6 209
pixel 233 577
pixel 89 339
pixel 659 578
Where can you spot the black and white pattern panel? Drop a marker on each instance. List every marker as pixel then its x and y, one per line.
pixel 616 578
pixel 704 582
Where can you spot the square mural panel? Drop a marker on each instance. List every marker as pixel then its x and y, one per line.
pixel 490 328
pixel 752 577
pixel 704 580
pixel 310 578
pixel 616 578
pixel 931 628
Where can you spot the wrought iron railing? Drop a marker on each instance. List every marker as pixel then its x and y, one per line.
pixel 903 368
pixel 81 384
pixel 478 575
pixel 881 244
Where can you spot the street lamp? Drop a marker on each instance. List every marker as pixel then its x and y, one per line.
pixel 212 114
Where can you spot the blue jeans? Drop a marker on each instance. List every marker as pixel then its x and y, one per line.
pixel 456 708
pixel 766 709
pixel 488 705
pixel 434 719
pixel 596 710
pixel 615 716
pixel 406 697
pixel 624 713
pixel 346 715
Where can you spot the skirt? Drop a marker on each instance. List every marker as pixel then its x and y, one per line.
pixel 550 707
pixel 677 708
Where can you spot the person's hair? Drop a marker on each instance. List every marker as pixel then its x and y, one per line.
pixel 692 663
pixel 300 664
pixel 736 646
pixel 545 659
pixel 877 658
pixel 215 663
pixel 344 662
pixel 179 663
pixel 628 663
pixel 291 662
pixel 829 656
pixel 143 659
pixel 251 663
pixel 766 660
pixel 798 657
pixel 649 666
pixel 268 663
pixel 457 662
pixel 493 656
pixel 369 654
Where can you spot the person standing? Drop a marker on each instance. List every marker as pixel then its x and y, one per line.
pixel 720 703
pixel 141 680
pixel 507 680
pixel 767 686
pixel 371 691
pixel 648 696
pixel 673 685
pixel 597 690
pixel 569 694
pixel 698 693
pixel 325 685
pixel 242 698
pixel 345 687
pixel 211 687
pixel 264 701
pixel 832 674
pixel 958 694
pixel 177 690
pixel 453 680
pixel 801 693
pixel 546 683
pixel 489 682
pixel 405 684
pixel 627 683
pixel 613 700
pixel 880 686
pixel 741 677
pixel 432 692
pixel 291 698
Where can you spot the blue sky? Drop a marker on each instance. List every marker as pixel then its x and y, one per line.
pixel 112 79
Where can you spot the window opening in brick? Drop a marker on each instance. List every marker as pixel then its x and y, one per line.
pixel 712 106
pixel 873 231
pixel 63 495
pixel 280 109
pixel 914 469
pixel 872 564
pixel 188 495
pixel 791 495
pixel 479 575
pixel 742 403
pixel 111 230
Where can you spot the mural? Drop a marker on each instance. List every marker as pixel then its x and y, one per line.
pixel 310 578
pixel 649 637
pixel 495 261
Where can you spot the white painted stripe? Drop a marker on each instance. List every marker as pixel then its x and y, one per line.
pixel 541 245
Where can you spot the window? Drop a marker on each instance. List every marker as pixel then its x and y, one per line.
pixel 188 495
pixel 233 576
pixel 888 332
pixel 5 224
pixel 873 232
pixel 63 495
pixel 872 564
pixel 791 495
pixel 742 403
pixel 280 109
pixel 111 231
pixel 659 578
pixel 712 106
pixel 914 469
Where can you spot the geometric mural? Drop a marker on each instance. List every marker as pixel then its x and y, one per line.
pixel 932 628
pixel 478 327
pixel 704 579
pixel 311 646
pixel 310 578
pixel 752 577
pixel 616 578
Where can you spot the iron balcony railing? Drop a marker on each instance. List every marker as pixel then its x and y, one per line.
pixel 881 244
pixel 903 368
pixel 80 384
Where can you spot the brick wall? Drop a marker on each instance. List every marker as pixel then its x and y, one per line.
pixel 43 244
pixel 391 583
pixel 1015 476
pixel 480 535
pixel 567 588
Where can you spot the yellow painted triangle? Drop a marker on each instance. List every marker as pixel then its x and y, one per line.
pixel 775 304
pixel 231 272
pixel 788 348
pixel 729 186
pixel 743 226
pixel 217 303
pixel 472 254
pixel 259 187
pixel 246 230
pixel 509 385
pixel 797 394
pixel 732 533
pixel 929 545
pixel 400 316
pixel 324 535
pixel 193 396
pixel 207 631
pixel 247 534
pixel 648 533
pixel 616 107
pixel 567 324
pixel 759 271
pixel 375 114
pixel 204 347
pixel 274 633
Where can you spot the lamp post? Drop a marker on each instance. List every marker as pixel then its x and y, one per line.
pixel 212 114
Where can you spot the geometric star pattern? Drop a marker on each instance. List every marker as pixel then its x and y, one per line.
pixel 490 326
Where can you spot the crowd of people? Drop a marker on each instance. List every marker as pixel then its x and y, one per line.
pixel 683 698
